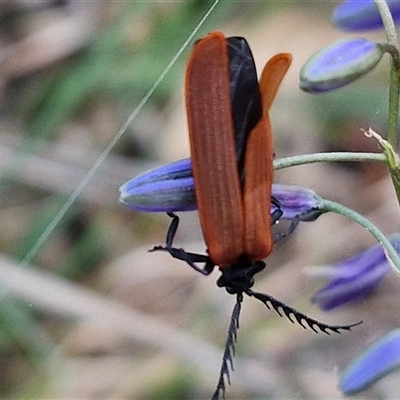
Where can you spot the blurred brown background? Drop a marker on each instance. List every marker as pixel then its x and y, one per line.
pixel 95 316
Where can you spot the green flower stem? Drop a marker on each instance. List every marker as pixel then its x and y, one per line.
pixel 331 206
pixel 388 23
pixel 394 103
pixel 394 91
pixel 328 157
pixel 392 50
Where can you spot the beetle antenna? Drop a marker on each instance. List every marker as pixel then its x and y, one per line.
pixel 229 352
pixel 302 319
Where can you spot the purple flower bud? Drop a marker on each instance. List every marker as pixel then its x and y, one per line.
pixel 360 15
pixel 339 64
pixel 296 202
pixel 171 189
pixel 166 189
pixel 378 360
pixel 354 279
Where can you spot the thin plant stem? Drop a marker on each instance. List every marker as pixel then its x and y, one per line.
pixel 394 90
pixel 388 23
pixel 329 157
pixel 331 206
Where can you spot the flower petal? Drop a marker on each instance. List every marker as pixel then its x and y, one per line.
pixel 377 361
pixel 361 15
pixel 354 279
pixel 339 64
pixel 343 291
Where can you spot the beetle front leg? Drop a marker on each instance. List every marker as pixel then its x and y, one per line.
pixel 180 254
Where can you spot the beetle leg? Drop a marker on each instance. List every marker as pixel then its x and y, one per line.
pixel 293 225
pixel 180 254
pixel 277 214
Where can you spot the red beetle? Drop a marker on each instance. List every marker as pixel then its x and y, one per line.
pixel 232 161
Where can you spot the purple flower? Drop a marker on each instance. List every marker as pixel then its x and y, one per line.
pixel 353 279
pixel 360 15
pixel 339 64
pixel 171 189
pixel 376 361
